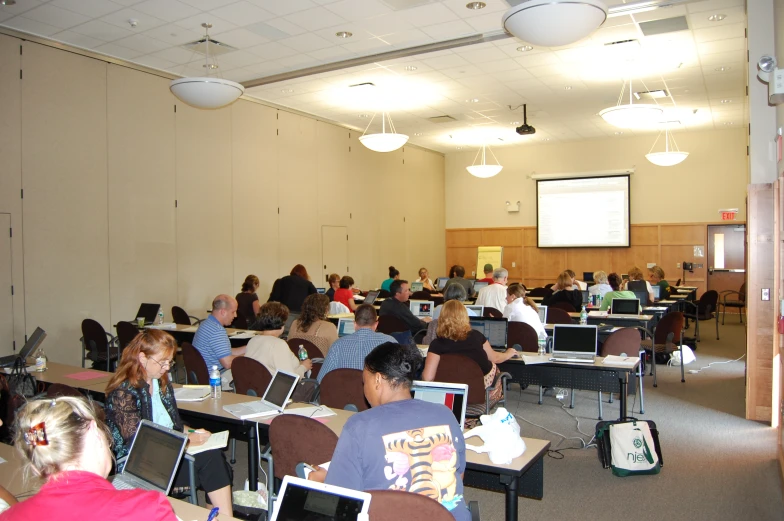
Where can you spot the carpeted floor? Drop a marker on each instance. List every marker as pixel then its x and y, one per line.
pixel 717 464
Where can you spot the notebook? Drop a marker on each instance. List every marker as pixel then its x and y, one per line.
pixel 542 310
pixel 28 349
pixel 345 327
pixel 441 282
pixel 149 312
pixel 574 343
pixel 494 329
pixel 301 499
pixel 454 396
pixel 153 459
pixel 273 402
pixel 371 297
pixel 479 285
pixel 421 308
pixel 417 286
pixel 625 306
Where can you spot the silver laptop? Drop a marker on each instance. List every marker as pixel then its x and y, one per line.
pixel 454 396
pixel 370 297
pixel 441 283
pixel 656 291
pixel 625 306
pixel 542 310
pixel 153 459
pixel 275 398
pixel 574 343
pixel 480 284
pixel 345 327
pixel 421 308
pixel 417 286
pixel 303 500
pixel 479 311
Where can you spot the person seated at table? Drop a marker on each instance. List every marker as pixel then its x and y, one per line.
pixel 393 276
pixel 656 277
pixel 345 295
pixel 458 279
pixel 7 500
pixel 455 336
pixel 637 282
pixel 291 291
pixel 312 324
pixel 334 285
pixel 600 287
pixel 582 286
pixel 397 306
pixel 564 291
pixel 614 280
pixel 455 292
pixel 488 270
pixel 248 301
pixel 399 441
pixel 141 390
pixel 350 351
pixel 269 349
pixel 494 295
pixel 66 445
pixel 424 278
pixel 520 308
pixel 212 341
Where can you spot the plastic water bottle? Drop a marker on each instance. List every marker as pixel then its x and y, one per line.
pixel 302 353
pixel 542 344
pixel 215 383
pixel 40 361
pixel 160 318
pixel 583 317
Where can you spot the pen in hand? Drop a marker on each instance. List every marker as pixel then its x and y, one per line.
pixel 213 514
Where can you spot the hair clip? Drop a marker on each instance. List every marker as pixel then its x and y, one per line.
pixel 36 435
pixel 53 403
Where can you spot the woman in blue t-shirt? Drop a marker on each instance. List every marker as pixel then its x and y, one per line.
pixel 393 276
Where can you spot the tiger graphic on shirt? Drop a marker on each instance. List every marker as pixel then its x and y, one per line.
pixel 423 461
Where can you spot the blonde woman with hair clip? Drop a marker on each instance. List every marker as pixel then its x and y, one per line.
pixel 65 444
pixel 520 308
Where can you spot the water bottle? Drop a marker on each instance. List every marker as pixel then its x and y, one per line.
pixel 542 344
pixel 302 353
pixel 40 361
pixel 583 317
pixel 160 318
pixel 215 383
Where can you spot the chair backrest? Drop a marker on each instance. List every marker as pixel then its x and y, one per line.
pixel 95 340
pixel 250 376
pixel 310 347
pixel 195 365
pixel 742 293
pixel 670 323
pixel 390 324
pixel 55 390
pixel 548 286
pixel 125 333
pixel 180 316
pixel 341 387
pixel 382 293
pixel 642 296
pixel 626 340
pixel 539 292
pixel 558 316
pixel 637 285
pixel 459 369
pixel 240 322
pixel 420 295
pixel 523 335
pixel 707 303
pixel 432 327
pixel 565 306
pixel 678 283
pixel 336 308
pixel 393 505
pixel 296 439
pixel 490 311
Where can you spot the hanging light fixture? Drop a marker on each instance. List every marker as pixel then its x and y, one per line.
pixel 668 157
pixel 553 23
pixel 206 92
pixel 632 115
pixel 385 141
pixel 484 170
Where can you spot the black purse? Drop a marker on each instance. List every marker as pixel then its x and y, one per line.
pixel 20 381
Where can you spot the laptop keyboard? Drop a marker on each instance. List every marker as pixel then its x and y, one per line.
pixel 121 484
pixel 571 360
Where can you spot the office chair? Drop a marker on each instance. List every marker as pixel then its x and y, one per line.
pixel 343 389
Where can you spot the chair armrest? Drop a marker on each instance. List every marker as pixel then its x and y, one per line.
pixel 192 318
pixel 317 360
pixel 473 507
pixel 499 376
pixel 729 292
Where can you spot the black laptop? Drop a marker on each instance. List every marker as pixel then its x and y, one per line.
pixel 149 312
pixel 33 341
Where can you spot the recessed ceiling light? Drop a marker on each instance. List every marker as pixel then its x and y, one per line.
pixel 472 100
pixel 514 122
pixel 728 122
pixel 618 133
pixel 722 69
pixel 567 87
pixel 409 68
pixel 417 133
pixel 476 5
pixel 287 91
pixel 364 115
pixel 525 48
pixel 546 139
pixel 8 2
pixel 717 17
pixel 344 34
pixel 726 101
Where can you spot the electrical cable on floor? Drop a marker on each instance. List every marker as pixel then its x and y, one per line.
pixel 558 448
pixel 697 371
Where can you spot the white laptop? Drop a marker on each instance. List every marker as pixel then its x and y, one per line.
pixel 479 311
pixel 303 500
pixel 153 459
pixel 421 308
pixel 275 398
pixel 345 327
pixel 542 310
pixel 625 306
pixel 656 289
pixel 574 343
pixel 480 284
pixel 454 396
pixel 417 286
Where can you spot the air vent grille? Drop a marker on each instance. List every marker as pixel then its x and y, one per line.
pixel 441 119
pixel 664 26
pixel 216 48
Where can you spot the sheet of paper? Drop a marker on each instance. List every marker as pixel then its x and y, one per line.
pixel 218 440
pixel 243 335
pixel 621 361
pixel 311 412
pixel 85 375
pixel 2 461
pixel 192 394
pixel 165 325
pixel 536 359
pixel 597 313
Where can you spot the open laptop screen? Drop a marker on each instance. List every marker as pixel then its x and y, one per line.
pixel 345 327
pixel 479 285
pixel 321 290
pixel 370 297
pixel 421 308
pixel 587 276
pixel 441 282
pixel 572 338
pixel 308 501
pixel 494 329
pixel 656 291
pixel 33 342
pixel 625 306
pixel 149 312
pixel 417 286
pixel 542 310
pixel 154 455
pixel 280 388
pixel 448 394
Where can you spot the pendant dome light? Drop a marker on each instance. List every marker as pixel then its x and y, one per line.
pixel 554 23
pixel 668 157
pixel 632 115
pixel 384 141
pixel 484 170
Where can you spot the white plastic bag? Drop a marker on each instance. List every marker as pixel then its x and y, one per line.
pixel 688 356
pixel 501 434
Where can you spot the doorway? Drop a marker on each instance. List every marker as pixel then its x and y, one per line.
pixel 726 257
pixel 334 252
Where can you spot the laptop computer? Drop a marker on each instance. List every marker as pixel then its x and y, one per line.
pixel 480 284
pixel 494 329
pixel 421 308
pixel 454 396
pixel 625 306
pixel 441 282
pixel 586 296
pixel 345 327
pixel 301 499
pixel 574 343
pixel 479 311
pixel 321 290
pixel 656 292
pixel 153 458
pixel 587 276
pixel 370 297
pixel 28 349
pixel 149 312
pixel 417 286
pixel 275 398
pixel 542 310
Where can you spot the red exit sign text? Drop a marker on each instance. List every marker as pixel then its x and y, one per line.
pixel 728 216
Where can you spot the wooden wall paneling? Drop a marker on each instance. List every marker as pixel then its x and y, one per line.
pixel 64 151
pixel 776 296
pixel 502 237
pixel 644 235
pixel 625 258
pixel 673 255
pixel 761 318
pixel 513 262
pixel 683 234
pixel 463 238
pixel 543 264
pixel 580 260
pixel 11 174
pixel 254 195
pixel 529 237
pixel 465 257
pixel 205 249
pixel 142 234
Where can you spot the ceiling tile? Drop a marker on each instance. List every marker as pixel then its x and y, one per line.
pixel 428 14
pixel 721 32
pixel 20 7
pixel 154 62
pixel 174 35
pixel 499 66
pixel 410 38
pixel 240 38
pixel 711 5
pixel 733 15
pixel 142 43
pixel 168 10
pixel 272 51
pixel 127 3
pixel 463 71
pixel 89 8
pixel 313 19
pixel 358 9
pixel 143 21
pixel 237 59
pixel 367 46
pixel 178 55
pixel 475 55
pixel 243 13
pixel 77 39
pixel 193 23
pixel 332 54
pixel 283 8
pixel 55 16
pixel 275 29
pixel 448 30
pixel 307 42
pixel 118 51
pixel 207 5
pixel 486 23
pixel 102 31
pixel 732 44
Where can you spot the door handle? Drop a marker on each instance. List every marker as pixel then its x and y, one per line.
pixel 725 270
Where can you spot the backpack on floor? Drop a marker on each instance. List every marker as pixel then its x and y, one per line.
pixel 629 446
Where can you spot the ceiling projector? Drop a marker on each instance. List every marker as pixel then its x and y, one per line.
pixel 525 129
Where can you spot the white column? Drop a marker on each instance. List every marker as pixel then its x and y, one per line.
pixel 762 117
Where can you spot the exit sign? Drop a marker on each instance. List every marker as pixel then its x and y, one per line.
pixel 728 216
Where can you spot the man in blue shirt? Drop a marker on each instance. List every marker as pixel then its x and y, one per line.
pixel 212 341
pixel 350 351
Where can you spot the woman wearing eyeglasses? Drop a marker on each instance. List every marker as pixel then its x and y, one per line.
pixel 141 390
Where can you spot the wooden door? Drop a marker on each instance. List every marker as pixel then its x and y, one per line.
pixel 726 257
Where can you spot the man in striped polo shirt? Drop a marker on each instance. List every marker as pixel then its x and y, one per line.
pixel 212 341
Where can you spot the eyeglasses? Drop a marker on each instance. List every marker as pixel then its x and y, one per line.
pixel 166 363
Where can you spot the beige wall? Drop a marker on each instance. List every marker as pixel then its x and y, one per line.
pixel 131 196
pixel 715 173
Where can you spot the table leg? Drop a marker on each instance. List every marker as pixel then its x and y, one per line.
pixel 253 458
pixel 510 483
pixel 624 378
